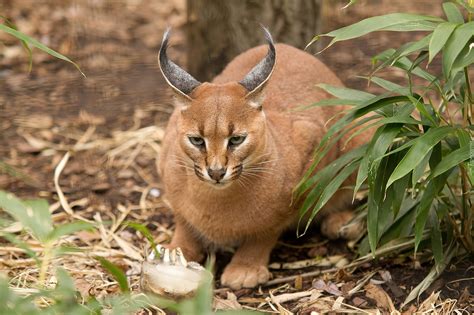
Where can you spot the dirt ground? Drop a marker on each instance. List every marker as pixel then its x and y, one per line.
pixel 113 120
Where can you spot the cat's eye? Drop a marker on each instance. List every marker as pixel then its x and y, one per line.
pixel 197 141
pixel 236 140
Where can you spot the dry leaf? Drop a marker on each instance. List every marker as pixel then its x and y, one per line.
pixel 381 298
pixel 230 303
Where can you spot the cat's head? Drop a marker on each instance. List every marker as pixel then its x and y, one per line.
pixel 221 127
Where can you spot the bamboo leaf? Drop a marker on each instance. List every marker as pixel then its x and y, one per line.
pixel 405 64
pixel 342 126
pixel 27 48
pixel 432 275
pixel 379 198
pixel 460 37
pixel 464 59
pixel 440 36
pixel 403 225
pixel 329 191
pixel 393 21
pixel 451 160
pixel 388 85
pixel 432 189
pixel 420 169
pixel 410 26
pixel 421 147
pixel 436 239
pixel 422 109
pixel 328 172
pixel 452 12
pixel 413 47
pixel 345 93
pixel 33 42
pixel 379 144
pixel 328 102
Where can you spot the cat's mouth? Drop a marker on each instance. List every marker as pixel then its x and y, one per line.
pixel 224 182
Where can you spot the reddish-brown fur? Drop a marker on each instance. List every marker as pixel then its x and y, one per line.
pixel 251 211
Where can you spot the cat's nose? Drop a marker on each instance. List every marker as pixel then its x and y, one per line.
pixel 216 174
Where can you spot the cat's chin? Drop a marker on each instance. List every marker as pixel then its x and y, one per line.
pixel 219 185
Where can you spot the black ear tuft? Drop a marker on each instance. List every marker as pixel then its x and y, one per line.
pixel 259 75
pixel 181 81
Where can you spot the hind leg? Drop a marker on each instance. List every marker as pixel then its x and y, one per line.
pixel 336 216
pixel 335 225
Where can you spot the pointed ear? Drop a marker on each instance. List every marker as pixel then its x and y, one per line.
pixel 179 80
pixel 255 80
pixel 181 102
pixel 256 98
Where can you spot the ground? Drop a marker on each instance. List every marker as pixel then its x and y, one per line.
pixel 113 121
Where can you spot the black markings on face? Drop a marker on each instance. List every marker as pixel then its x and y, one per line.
pixel 231 128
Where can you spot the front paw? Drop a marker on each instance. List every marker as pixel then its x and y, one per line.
pixel 237 276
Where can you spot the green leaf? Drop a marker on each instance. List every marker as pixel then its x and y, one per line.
pixel 387 85
pixel 436 238
pixel 144 230
pixel 401 227
pixel 33 42
pixel 323 176
pixel 403 51
pixel 116 272
pixel 440 36
pixel 455 44
pixel 451 160
pixel 422 109
pixel 405 64
pixel 470 164
pixel 393 21
pixel 452 12
pixel 327 102
pixel 432 189
pixel 68 228
pixel 433 274
pixel 464 59
pixel 329 191
pixel 345 93
pixel 8 23
pixel 420 169
pixel 411 26
pixel 329 140
pixel 414 46
pixel 379 144
pixel 421 147
pixel 379 200
pixel 466 5
pixel 32 214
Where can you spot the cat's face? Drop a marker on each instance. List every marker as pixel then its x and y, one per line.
pixel 221 133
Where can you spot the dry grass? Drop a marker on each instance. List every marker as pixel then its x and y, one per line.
pixel 127 248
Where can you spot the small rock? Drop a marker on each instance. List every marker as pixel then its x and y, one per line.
pixel 155 192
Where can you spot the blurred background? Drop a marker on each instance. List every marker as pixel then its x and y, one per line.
pixel 115 42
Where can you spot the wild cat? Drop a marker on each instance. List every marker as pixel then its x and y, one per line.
pixel 234 150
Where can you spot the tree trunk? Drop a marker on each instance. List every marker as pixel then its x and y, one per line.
pixel 217 31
